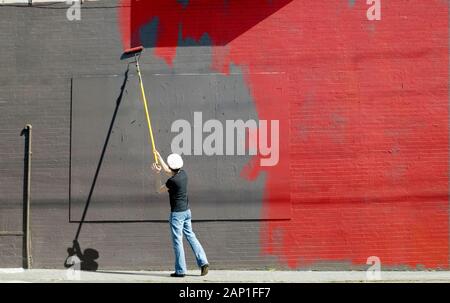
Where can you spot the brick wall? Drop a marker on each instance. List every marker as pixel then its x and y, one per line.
pixel 368 144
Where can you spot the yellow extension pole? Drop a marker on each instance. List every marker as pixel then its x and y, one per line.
pixel 144 100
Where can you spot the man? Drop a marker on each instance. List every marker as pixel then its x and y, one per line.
pixel 180 215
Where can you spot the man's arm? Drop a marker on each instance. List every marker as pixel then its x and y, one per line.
pixel 160 187
pixel 165 167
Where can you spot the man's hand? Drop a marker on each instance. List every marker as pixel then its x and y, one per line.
pixel 164 166
pixel 156 168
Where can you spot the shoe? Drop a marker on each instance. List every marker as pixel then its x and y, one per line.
pixel 175 275
pixel 204 270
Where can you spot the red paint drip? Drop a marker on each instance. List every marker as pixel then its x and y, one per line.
pixel 363 110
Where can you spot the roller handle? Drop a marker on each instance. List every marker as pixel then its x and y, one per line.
pixel 149 122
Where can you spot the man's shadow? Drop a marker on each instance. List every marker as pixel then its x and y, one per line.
pixel 88 257
pixel 81 260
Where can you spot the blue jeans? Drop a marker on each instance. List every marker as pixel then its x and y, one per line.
pixel 180 223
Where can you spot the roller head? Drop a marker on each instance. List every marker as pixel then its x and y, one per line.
pixel 131 52
pixel 134 50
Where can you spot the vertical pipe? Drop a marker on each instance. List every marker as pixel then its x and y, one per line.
pixel 27 258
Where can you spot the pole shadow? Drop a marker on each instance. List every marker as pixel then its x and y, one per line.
pixel 88 256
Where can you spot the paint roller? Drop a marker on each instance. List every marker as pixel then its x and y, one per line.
pixel 136 52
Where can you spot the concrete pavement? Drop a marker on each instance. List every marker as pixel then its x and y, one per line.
pixel 216 276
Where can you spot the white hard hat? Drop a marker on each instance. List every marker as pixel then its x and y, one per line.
pixel 175 161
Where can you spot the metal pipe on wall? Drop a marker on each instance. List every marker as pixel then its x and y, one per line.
pixel 27 256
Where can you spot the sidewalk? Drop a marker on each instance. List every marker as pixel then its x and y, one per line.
pixel 112 276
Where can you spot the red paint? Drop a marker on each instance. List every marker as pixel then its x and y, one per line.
pixel 217 18
pixel 364 115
